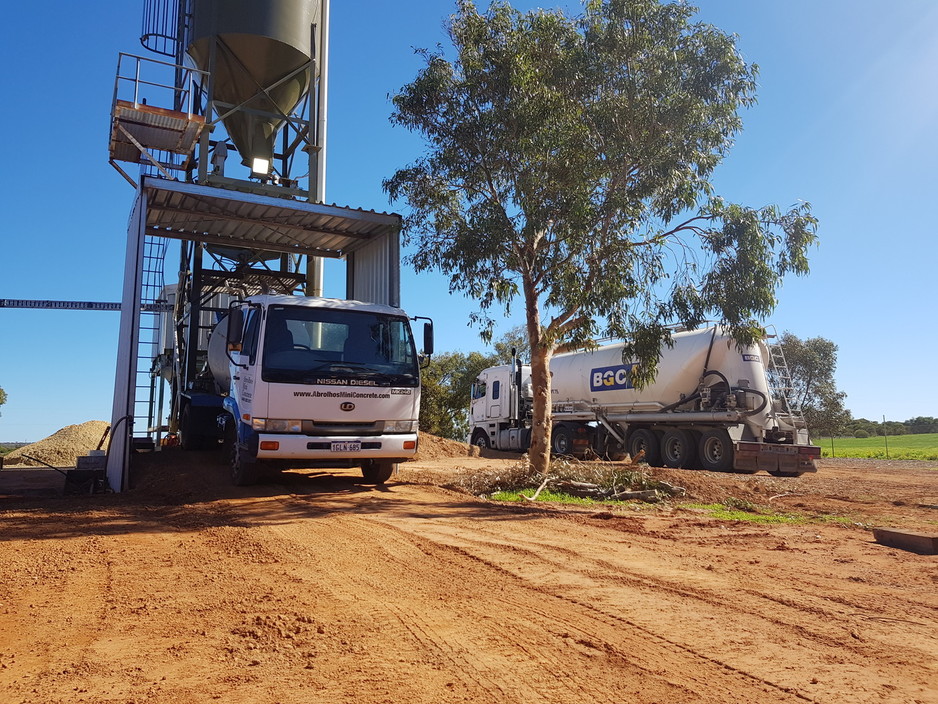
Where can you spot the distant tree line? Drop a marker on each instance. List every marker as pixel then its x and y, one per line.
pixel 863 428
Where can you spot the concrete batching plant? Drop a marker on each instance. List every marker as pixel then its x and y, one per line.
pixel 228 128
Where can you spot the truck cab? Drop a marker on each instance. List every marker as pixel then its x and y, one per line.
pixel 316 382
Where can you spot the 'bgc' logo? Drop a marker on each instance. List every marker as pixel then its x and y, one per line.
pixel 611 378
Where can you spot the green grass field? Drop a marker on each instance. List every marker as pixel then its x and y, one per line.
pixel 901 447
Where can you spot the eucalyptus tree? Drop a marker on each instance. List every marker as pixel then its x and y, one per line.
pixel 445 394
pixel 811 364
pixel 568 163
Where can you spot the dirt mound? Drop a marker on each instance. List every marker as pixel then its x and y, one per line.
pixel 433 447
pixel 62 447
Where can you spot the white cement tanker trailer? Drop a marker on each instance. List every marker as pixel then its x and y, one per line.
pixel 711 406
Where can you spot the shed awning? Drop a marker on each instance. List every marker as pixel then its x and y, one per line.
pixel 221 217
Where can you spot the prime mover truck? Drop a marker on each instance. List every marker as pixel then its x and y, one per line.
pixel 711 406
pixel 299 381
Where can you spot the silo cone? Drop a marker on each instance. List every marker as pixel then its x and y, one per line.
pixel 259 42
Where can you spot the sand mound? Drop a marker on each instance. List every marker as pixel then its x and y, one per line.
pixel 432 447
pixel 61 448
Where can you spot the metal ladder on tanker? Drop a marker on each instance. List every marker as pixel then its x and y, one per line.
pixel 146 386
pixel 779 378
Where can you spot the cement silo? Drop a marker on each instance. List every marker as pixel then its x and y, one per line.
pixel 262 57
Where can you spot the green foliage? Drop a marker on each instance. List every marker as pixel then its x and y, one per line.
pixel 890 427
pixel 812 364
pixel 517 339
pixel 728 511
pixel 444 399
pixel 922 424
pixel 546 495
pixel 3 396
pixel 568 162
pixel 861 433
pixel 901 447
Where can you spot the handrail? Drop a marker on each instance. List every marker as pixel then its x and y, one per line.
pixel 190 78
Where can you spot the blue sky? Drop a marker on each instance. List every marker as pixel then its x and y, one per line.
pixel 847 119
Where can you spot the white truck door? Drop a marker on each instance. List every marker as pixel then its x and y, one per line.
pixel 244 377
pixel 478 409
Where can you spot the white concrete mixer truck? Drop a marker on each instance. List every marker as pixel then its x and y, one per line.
pixel 711 406
pixel 307 382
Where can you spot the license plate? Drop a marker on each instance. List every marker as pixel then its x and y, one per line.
pixel 780 449
pixel 347 446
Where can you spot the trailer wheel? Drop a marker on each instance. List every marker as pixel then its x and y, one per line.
pixel 561 441
pixel 481 439
pixel 678 449
pixel 644 440
pixel 716 450
pixel 377 471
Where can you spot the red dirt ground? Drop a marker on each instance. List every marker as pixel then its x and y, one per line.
pixel 314 588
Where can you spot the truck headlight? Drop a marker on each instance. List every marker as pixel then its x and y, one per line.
pixel 400 426
pixel 276 425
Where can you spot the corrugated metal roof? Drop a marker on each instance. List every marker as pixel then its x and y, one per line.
pixel 231 218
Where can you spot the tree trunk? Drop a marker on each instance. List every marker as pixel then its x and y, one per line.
pixel 541 352
pixel 541 421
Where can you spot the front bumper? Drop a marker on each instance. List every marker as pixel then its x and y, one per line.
pixel 307 447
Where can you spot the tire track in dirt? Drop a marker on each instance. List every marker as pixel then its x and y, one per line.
pixel 441 616
pixel 796 631
pixel 524 613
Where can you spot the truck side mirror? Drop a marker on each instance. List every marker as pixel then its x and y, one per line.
pixel 235 327
pixel 428 339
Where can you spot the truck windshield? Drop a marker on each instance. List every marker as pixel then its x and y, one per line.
pixel 305 345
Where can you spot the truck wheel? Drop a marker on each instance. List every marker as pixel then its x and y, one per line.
pixel 716 450
pixel 560 440
pixel 229 439
pixel 378 471
pixel 189 439
pixel 610 449
pixel 644 440
pixel 481 440
pixel 678 449
pixel 242 473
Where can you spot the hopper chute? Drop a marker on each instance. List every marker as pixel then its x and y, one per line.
pixel 260 56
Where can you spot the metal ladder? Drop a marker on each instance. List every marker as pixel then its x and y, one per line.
pixel 147 412
pixel 779 378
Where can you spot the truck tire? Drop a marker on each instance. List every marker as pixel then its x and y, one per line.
pixel 644 440
pixel 678 449
pixel 189 439
pixel 610 449
pixel 561 440
pixel 716 450
pixel 481 439
pixel 378 471
pixel 242 473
